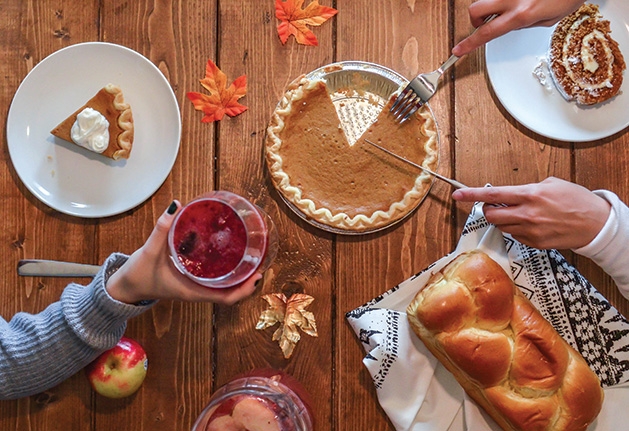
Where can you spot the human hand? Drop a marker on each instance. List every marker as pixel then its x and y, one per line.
pixel 552 214
pixel 149 274
pixel 512 15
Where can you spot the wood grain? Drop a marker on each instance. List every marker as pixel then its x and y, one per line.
pixel 196 348
pixel 397 36
pixel 304 260
pixel 31 31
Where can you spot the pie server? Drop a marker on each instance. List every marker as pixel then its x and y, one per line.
pixel 54 268
pixel 450 181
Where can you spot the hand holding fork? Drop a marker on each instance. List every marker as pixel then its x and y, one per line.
pixel 422 88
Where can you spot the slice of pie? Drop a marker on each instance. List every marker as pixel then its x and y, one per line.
pixel 585 61
pixel 349 187
pixel 109 104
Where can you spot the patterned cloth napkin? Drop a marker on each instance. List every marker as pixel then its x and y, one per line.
pixel 418 393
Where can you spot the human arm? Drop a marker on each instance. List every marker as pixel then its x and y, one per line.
pixel 559 214
pixel 512 15
pixel 149 274
pixel 551 214
pixel 610 248
pixel 39 351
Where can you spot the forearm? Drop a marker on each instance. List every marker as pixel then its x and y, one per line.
pixel 40 351
pixel 610 248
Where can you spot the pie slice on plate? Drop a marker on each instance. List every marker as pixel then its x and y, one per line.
pixel 103 125
pixel 351 187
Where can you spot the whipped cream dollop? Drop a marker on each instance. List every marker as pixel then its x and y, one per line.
pixel 91 130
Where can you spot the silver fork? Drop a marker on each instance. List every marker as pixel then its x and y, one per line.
pixel 422 88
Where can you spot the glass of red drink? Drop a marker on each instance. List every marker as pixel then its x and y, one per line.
pixel 262 400
pixel 220 239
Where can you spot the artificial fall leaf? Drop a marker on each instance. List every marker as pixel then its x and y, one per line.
pixel 221 100
pixel 294 20
pixel 291 314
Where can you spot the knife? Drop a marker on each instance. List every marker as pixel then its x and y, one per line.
pixel 54 268
pixel 450 181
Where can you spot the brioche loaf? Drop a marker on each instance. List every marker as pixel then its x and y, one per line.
pixel 585 61
pixel 506 356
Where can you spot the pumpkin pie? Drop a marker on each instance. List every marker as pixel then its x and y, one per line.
pixel 108 102
pixel 350 187
pixel 585 61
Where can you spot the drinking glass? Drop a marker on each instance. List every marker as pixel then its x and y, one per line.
pixel 220 239
pixel 264 399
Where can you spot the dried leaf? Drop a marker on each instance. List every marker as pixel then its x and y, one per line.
pixel 296 310
pixel 222 99
pixel 294 20
pixel 275 312
pixel 291 314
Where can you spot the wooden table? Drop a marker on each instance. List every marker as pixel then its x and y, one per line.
pixel 195 348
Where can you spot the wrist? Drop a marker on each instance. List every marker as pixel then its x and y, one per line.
pixel 601 210
pixel 120 289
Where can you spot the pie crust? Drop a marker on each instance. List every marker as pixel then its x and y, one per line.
pixel 109 101
pixel 353 188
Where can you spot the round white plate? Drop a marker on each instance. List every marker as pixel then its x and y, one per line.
pixel 511 60
pixel 74 180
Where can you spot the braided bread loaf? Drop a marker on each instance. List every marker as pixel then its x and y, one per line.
pixel 507 357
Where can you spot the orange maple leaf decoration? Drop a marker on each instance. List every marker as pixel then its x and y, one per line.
pixel 221 100
pixel 294 19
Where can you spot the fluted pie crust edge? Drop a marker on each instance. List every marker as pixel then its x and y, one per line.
pixel 330 216
pixel 110 102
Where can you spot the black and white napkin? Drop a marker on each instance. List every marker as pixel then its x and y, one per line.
pixel 419 394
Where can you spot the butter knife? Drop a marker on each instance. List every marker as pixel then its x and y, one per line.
pixel 55 268
pixel 450 181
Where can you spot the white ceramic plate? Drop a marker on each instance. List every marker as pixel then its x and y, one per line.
pixel 511 60
pixel 74 180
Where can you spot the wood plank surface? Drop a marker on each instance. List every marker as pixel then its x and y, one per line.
pixel 250 45
pixel 196 348
pixel 399 36
pixel 31 31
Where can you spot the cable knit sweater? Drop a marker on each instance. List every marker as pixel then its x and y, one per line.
pixel 40 351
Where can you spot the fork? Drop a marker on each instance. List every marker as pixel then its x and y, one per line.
pixel 422 88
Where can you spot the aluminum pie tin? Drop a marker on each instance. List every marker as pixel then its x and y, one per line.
pixel 357 110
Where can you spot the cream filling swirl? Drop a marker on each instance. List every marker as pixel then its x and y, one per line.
pixel 586 56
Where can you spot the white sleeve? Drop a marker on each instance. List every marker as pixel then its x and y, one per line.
pixel 610 248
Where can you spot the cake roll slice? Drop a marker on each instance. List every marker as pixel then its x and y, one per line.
pixel 585 61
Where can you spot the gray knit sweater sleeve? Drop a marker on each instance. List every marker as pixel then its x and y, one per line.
pixel 40 351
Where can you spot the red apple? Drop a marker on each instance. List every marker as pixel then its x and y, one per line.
pixel 120 371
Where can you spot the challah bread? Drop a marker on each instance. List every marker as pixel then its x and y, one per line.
pixel 506 356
